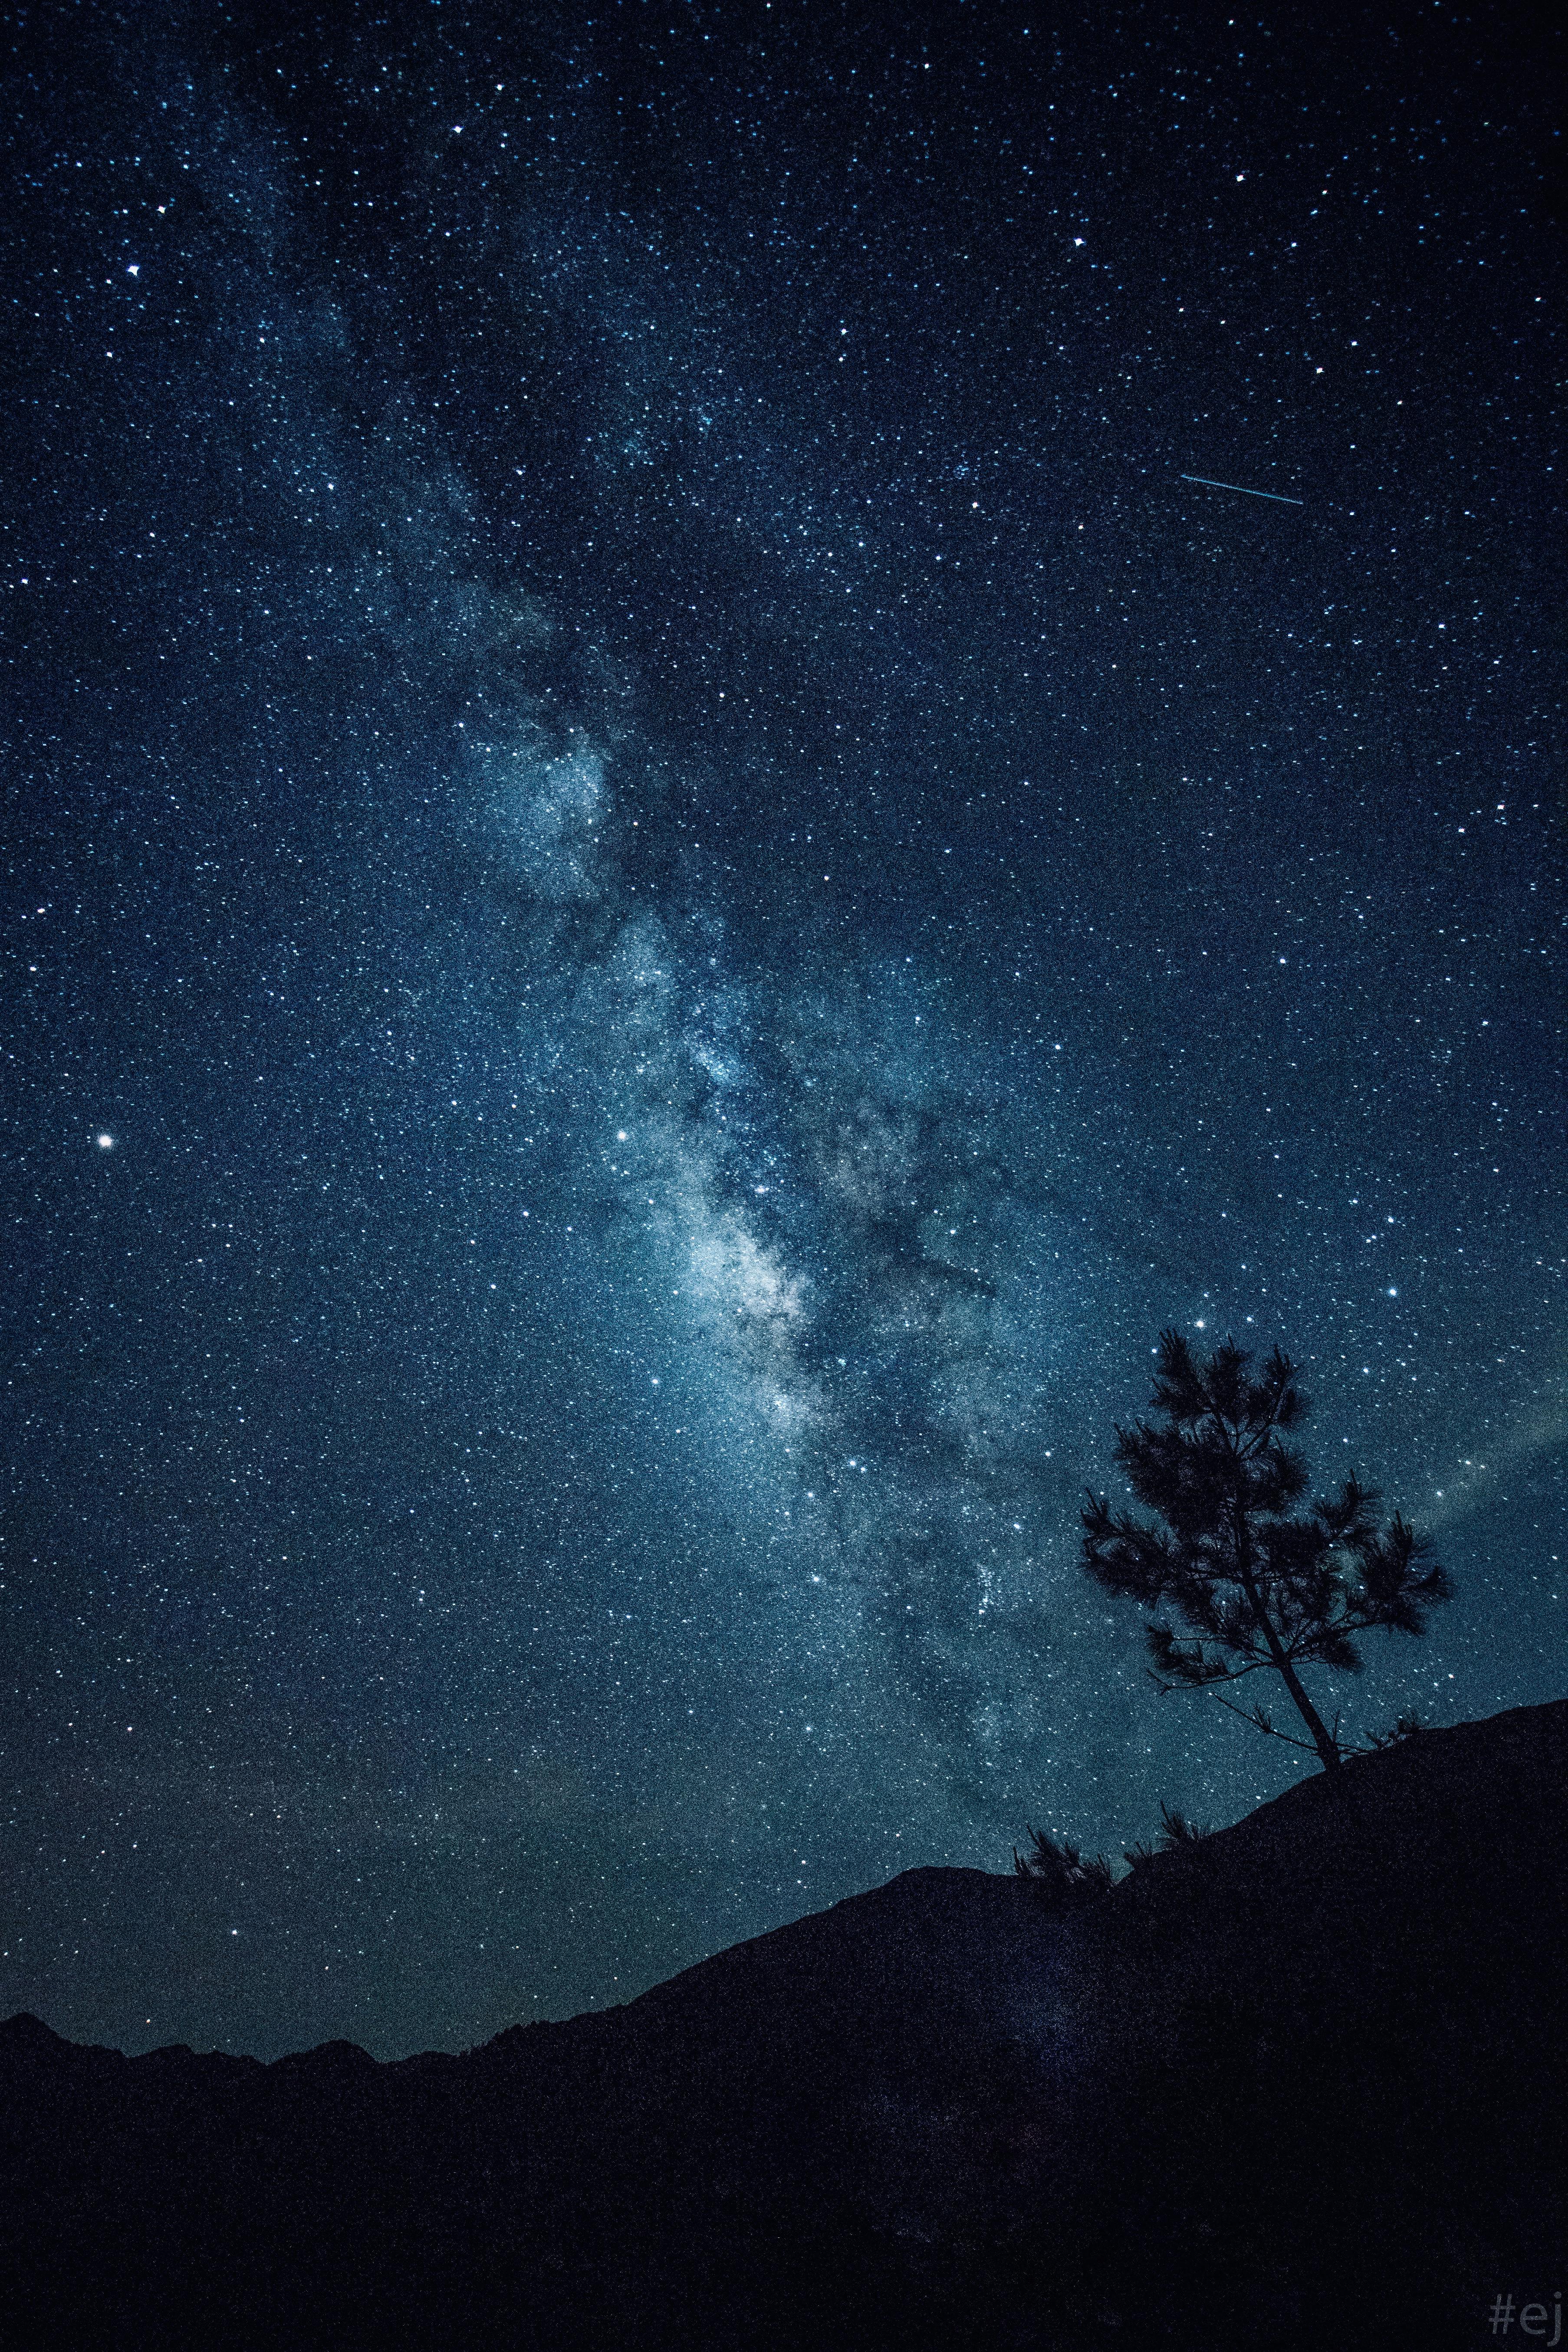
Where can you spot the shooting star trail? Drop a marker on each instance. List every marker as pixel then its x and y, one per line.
pixel 1278 497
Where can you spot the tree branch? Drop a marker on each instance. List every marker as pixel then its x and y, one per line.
pixel 1222 1675
pixel 1256 1716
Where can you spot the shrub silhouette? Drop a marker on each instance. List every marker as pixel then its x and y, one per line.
pixel 1176 1834
pixel 1060 1873
pixel 1177 1831
pixel 1407 1726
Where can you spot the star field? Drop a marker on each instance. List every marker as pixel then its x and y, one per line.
pixel 667 885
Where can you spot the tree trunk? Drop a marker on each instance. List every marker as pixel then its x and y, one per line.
pixel 1322 1737
pixel 1323 1740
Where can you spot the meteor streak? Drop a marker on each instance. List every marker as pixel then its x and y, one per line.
pixel 1277 496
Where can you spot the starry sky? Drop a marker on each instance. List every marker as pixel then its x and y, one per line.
pixel 668 883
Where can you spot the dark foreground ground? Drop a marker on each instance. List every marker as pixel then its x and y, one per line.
pixel 1302 2085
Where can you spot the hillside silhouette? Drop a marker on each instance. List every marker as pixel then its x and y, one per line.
pixel 1297 2084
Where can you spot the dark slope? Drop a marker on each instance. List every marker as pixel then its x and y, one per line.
pixel 1299 2085
pixel 1338 2051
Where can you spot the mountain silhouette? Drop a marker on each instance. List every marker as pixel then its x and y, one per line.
pixel 1298 2085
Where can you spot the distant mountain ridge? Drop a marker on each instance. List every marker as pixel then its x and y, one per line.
pixel 1299 2085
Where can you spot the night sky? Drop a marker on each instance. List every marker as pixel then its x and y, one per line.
pixel 666 886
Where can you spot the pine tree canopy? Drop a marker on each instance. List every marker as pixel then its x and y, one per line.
pixel 1259 1584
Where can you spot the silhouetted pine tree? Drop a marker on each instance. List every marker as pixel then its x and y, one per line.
pixel 1262 1589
